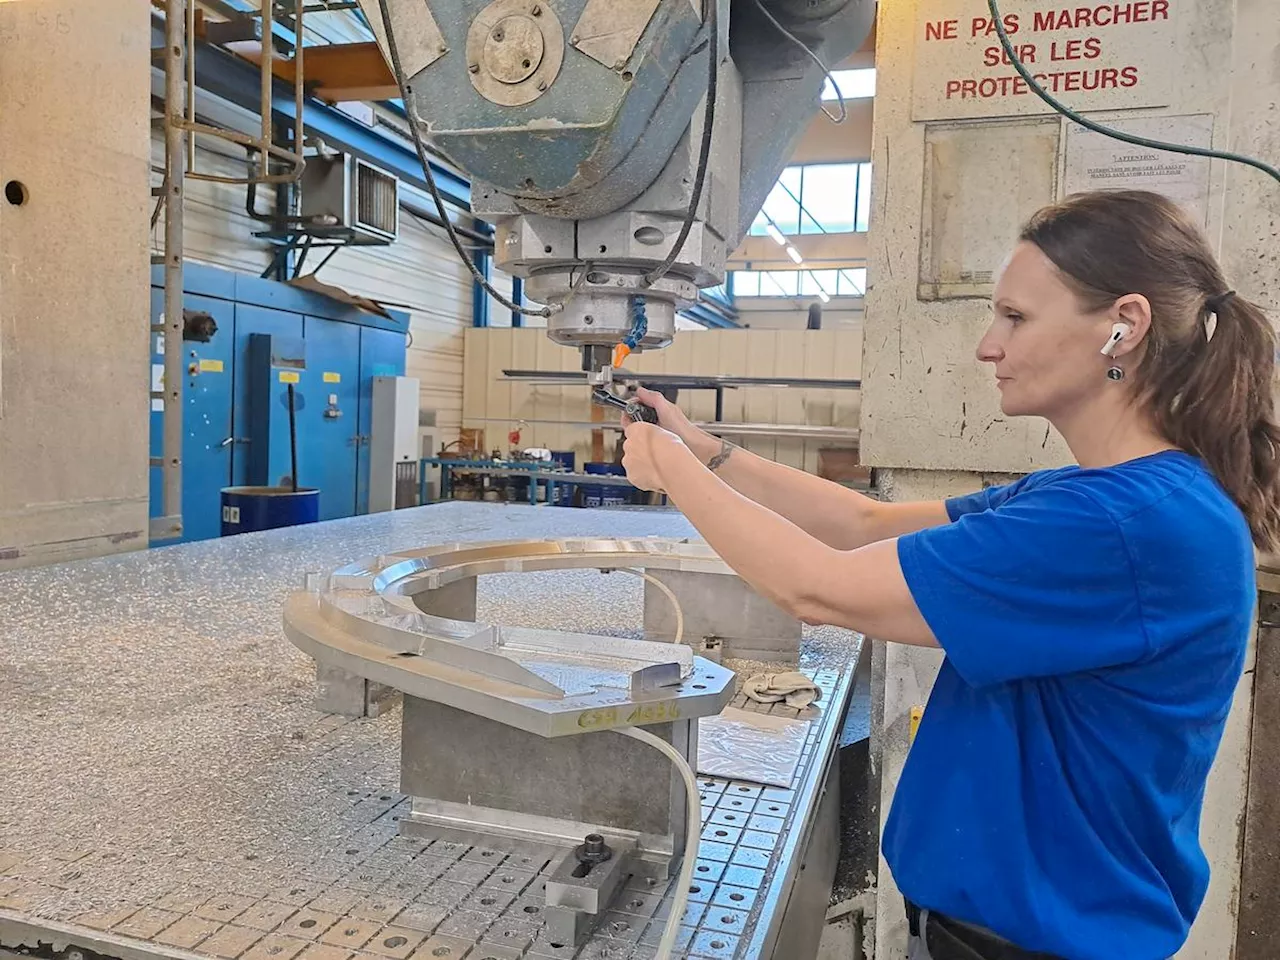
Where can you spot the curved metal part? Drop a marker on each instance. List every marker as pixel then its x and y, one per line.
pixel 370 619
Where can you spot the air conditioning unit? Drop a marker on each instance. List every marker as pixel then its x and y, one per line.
pixel 348 192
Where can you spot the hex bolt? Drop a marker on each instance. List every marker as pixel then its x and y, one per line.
pixel 593 849
pixel 573 41
pixel 542 85
pixel 474 67
pixel 536 11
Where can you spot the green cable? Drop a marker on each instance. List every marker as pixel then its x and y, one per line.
pixel 1107 131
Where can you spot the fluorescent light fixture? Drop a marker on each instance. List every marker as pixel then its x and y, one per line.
pixel 822 295
pixel 774 232
pixel 794 254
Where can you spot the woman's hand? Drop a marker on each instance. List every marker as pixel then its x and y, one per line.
pixel 672 419
pixel 646 451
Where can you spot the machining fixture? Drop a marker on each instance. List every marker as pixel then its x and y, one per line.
pixel 507 732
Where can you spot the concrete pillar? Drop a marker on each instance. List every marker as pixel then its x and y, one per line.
pixel 963 152
pixel 75 88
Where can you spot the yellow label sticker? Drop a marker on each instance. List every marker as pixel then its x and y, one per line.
pixel 332 377
pixel 288 376
pixel 917 714
pixel 210 366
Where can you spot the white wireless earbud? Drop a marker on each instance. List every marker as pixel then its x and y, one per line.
pixel 1118 331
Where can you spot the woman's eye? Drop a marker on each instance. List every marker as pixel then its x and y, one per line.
pixel 1014 317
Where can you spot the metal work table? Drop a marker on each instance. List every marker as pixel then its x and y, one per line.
pixel 168 789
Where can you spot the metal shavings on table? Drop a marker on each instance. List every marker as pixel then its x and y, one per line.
pixel 167 787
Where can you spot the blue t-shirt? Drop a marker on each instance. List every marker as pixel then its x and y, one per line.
pixel 1095 623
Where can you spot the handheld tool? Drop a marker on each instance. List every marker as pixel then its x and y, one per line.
pixel 633 408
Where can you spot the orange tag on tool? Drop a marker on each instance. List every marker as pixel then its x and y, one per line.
pixel 620 353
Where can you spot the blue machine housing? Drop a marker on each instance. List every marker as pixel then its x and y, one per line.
pixel 236 415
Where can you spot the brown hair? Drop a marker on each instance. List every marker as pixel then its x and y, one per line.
pixel 1211 398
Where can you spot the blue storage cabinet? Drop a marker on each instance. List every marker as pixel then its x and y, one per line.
pixel 235 424
pixel 206 423
pixel 328 418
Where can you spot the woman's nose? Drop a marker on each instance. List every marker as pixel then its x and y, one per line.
pixel 989 348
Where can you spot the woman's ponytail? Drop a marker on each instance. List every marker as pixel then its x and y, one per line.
pixel 1219 406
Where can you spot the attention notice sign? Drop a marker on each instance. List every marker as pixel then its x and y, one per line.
pixel 1090 56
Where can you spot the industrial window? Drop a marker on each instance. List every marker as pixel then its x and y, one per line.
pixel 816 198
pixel 823 284
pixel 854 84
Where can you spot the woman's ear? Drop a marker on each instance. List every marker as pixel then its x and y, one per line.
pixel 1133 310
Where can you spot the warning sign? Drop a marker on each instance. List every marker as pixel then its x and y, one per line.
pixel 1089 55
pixel 1097 162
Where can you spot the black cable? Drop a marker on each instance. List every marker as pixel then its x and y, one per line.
pixel 704 150
pixel 483 242
pixel 844 113
pixel 1108 131
pixel 403 86
pixel 160 200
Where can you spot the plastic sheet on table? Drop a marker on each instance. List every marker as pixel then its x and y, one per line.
pixel 757 747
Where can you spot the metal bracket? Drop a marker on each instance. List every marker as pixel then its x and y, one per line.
pixel 581 887
pixel 608 31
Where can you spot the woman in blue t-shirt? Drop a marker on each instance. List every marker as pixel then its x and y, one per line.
pixel 1094 618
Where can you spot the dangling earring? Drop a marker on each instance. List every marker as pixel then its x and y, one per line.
pixel 1115 373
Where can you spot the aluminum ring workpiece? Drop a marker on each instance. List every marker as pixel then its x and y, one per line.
pixel 400 620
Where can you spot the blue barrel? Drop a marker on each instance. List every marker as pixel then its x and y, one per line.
pixel 246 509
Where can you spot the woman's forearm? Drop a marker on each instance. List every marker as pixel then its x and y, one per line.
pixel 836 515
pixel 839 517
pixel 862 589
